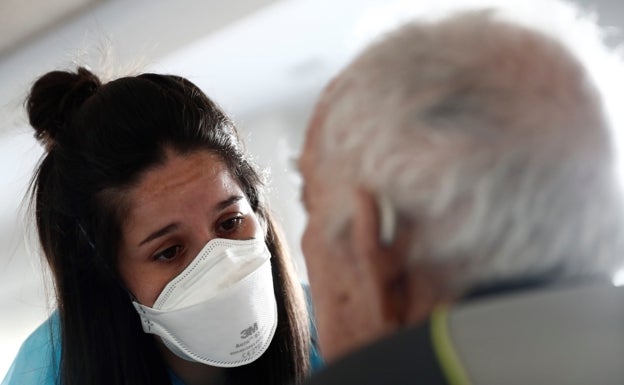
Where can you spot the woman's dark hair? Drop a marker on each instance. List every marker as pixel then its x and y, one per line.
pixel 100 139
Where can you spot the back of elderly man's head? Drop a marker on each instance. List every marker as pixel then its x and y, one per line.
pixel 489 137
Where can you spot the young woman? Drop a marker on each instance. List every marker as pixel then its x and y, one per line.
pixel 167 265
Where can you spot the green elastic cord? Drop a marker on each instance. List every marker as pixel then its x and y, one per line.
pixel 443 348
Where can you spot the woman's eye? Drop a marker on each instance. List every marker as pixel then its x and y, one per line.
pixel 168 254
pixel 230 224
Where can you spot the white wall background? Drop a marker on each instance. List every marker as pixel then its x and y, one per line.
pixel 263 61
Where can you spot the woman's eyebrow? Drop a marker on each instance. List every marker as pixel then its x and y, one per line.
pixel 159 233
pixel 174 226
pixel 228 202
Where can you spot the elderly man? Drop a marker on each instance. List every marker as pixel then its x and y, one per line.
pixel 464 218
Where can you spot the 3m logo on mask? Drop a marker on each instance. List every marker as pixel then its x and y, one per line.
pixel 246 333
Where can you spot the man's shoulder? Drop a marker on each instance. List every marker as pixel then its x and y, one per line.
pixel 398 359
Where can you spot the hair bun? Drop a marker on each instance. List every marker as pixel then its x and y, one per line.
pixel 55 97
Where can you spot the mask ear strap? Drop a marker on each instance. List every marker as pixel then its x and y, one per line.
pixel 86 236
pixel 387 220
pixel 115 277
pixel 131 295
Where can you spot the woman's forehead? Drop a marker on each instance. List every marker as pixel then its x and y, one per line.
pixel 182 181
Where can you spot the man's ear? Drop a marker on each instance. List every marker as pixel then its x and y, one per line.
pixel 382 257
pixel 366 225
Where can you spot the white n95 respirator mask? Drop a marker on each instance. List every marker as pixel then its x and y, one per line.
pixel 221 309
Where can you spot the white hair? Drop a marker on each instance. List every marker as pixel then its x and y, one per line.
pixel 490 138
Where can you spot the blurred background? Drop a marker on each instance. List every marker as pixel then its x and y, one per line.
pixel 263 61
